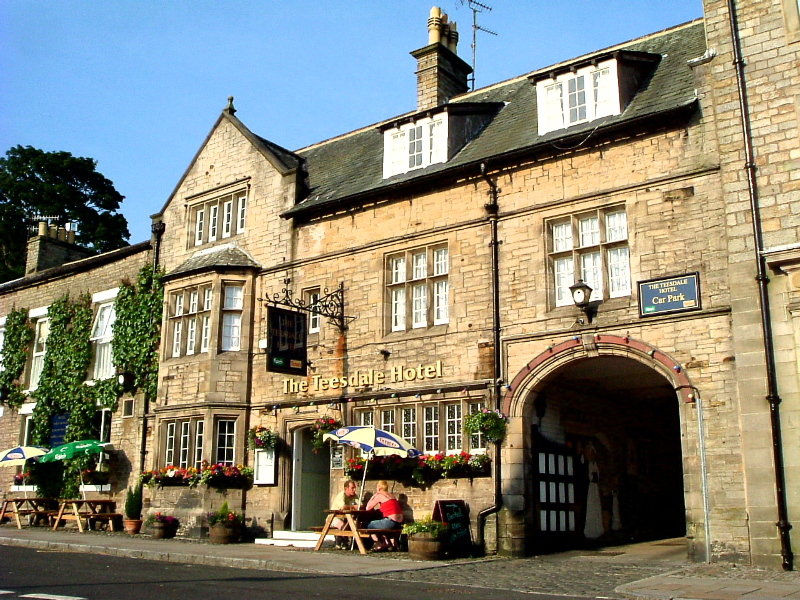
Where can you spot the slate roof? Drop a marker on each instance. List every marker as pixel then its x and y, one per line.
pixel 349 167
pixel 215 258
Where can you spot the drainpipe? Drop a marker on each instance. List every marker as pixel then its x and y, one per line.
pixel 157 229
pixel 491 210
pixel 766 326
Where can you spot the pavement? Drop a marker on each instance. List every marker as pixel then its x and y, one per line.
pixel 647 571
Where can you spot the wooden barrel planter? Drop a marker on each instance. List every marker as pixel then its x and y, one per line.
pixel 163 531
pixel 423 546
pixel 222 533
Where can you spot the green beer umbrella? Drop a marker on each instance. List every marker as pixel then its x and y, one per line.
pixel 74 450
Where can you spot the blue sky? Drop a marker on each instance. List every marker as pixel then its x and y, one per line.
pixel 136 85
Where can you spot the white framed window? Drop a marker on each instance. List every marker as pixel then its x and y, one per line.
pixel 101 337
pixel 190 320
pixel 183 442
pixel 453 427
pixel 415 145
pixel 387 420
pixel 418 289
pixel 169 443
pixel 430 427
pixel 241 217
pixel 199 439
pixel 477 441
pixel 578 96
pixel 314 318
pixel 232 304
pixel 224 451
pixel 41 330
pixel 227 218
pixel 601 258
pixel 408 416
pixel 213 226
pixel 218 218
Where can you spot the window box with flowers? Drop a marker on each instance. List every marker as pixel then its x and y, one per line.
pixel 168 476
pixel 319 428
pixel 491 423
pixel 23 482
pixel 421 471
pixel 223 476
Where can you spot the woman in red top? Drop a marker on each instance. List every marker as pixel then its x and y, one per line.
pixel 392 515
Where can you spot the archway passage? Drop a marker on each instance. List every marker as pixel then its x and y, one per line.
pixel 605 464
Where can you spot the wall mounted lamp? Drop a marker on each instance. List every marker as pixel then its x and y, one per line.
pixel 581 294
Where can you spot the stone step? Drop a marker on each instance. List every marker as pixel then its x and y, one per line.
pixel 296 539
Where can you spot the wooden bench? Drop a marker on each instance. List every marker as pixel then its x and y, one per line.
pixel 364 533
pixel 110 518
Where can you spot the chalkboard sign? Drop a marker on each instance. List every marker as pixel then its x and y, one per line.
pixel 455 514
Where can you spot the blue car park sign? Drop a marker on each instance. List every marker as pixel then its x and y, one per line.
pixel 676 294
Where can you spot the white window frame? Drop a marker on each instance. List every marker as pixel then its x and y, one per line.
pixel 190 320
pixel 101 339
pixel 312 296
pixel 561 105
pixel 232 306
pixel 41 329
pixel 225 441
pixel 218 217
pixel 415 145
pixel 183 442
pixel 418 288
pixel 601 258
pixel 453 427
pixel 477 441
pixel 2 341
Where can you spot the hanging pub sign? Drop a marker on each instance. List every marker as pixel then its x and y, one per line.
pixel 676 294
pixel 286 342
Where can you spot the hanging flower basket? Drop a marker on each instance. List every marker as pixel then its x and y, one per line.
pixel 261 438
pixel 490 423
pixel 319 428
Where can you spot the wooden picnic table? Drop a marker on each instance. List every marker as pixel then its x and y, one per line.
pixel 33 508
pixel 77 509
pixel 353 528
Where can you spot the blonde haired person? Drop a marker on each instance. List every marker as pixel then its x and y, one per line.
pixel 392 513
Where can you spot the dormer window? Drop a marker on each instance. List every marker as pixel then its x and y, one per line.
pixel 578 96
pixel 415 145
pixel 218 218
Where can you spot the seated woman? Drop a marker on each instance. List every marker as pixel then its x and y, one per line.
pixel 392 515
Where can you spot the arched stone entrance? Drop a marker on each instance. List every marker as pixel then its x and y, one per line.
pixel 601 459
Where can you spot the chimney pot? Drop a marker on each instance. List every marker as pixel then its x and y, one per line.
pixel 42 228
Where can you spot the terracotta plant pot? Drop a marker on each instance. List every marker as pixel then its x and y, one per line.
pixel 423 546
pixel 132 526
pixel 222 533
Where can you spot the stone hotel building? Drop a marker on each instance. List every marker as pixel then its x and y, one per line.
pixel 606 250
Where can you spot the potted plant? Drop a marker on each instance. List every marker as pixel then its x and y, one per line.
pixel 319 428
pixel 224 525
pixel 490 423
pixel 133 509
pixel 162 526
pixel 425 538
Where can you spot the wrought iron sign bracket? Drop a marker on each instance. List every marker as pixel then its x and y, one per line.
pixel 329 305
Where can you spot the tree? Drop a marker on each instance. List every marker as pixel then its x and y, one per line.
pixel 36 184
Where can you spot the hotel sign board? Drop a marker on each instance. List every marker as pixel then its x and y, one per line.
pixel 672 295
pixel 287 351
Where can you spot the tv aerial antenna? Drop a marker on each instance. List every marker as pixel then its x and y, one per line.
pixel 476 7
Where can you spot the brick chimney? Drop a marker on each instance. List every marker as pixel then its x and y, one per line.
pixel 53 246
pixel 441 74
